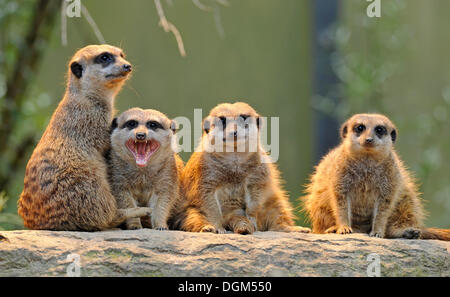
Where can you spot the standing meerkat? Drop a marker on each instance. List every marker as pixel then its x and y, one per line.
pixel 65 185
pixel 363 186
pixel 229 182
pixel 143 168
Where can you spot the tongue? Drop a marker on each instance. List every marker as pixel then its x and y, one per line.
pixel 140 150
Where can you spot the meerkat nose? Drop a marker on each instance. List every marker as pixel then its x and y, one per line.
pixel 369 140
pixel 127 67
pixel 140 136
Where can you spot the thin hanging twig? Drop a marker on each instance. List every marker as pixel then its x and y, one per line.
pixel 92 23
pixel 218 21
pixel 201 5
pixel 169 27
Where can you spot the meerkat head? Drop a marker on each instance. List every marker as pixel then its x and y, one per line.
pixel 231 128
pixel 371 134
pixel 98 68
pixel 139 134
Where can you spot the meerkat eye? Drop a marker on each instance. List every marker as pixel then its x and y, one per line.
pixel 153 125
pixel 131 124
pixel 104 58
pixel 360 128
pixel 380 131
pixel 224 121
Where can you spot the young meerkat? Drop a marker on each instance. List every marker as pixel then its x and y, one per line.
pixel 143 168
pixel 65 185
pixel 363 186
pixel 229 181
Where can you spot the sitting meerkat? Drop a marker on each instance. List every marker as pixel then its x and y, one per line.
pixel 143 168
pixel 229 181
pixel 363 186
pixel 65 185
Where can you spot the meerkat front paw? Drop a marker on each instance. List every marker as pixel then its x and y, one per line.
pixel 133 224
pixel 244 227
pixel 378 234
pixel 300 229
pixel 339 229
pixel 221 230
pixel 208 228
pixel 161 228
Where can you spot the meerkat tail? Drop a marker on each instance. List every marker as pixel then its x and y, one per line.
pixel 123 214
pixel 435 233
pixel 177 218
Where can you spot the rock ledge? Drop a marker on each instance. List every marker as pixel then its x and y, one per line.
pixel 174 253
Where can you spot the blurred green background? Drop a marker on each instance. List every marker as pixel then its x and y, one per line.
pixel 258 51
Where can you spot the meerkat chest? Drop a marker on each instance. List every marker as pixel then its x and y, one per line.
pixel 231 196
pixel 141 189
pixel 364 184
pixel 141 195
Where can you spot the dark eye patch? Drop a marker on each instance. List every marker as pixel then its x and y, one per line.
pixel 380 131
pixel 153 125
pixel 131 124
pixel 105 59
pixel 359 128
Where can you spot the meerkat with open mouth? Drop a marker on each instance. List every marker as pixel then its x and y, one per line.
pixel 230 182
pixel 143 167
pixel 363 186
pixel 65 185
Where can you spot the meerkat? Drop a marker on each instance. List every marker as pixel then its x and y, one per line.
pixel 363 186
pixel 229 182
pixel 65 185
pixel 144 169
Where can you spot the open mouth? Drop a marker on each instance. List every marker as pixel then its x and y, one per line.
pixel 142 150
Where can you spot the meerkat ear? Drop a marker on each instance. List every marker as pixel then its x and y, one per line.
pixel 173 126
pixel 77 69
pixel 344 130
pixel 206 125
pixel 114 124
pixel 394 135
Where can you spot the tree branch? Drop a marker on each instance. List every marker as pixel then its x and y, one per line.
pixel 92 23
pixel 169 27
pixel 30 53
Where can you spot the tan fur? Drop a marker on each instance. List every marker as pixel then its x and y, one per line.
pixel 364 187
pixel 65 186
pixel 233 190
pixel 155 184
